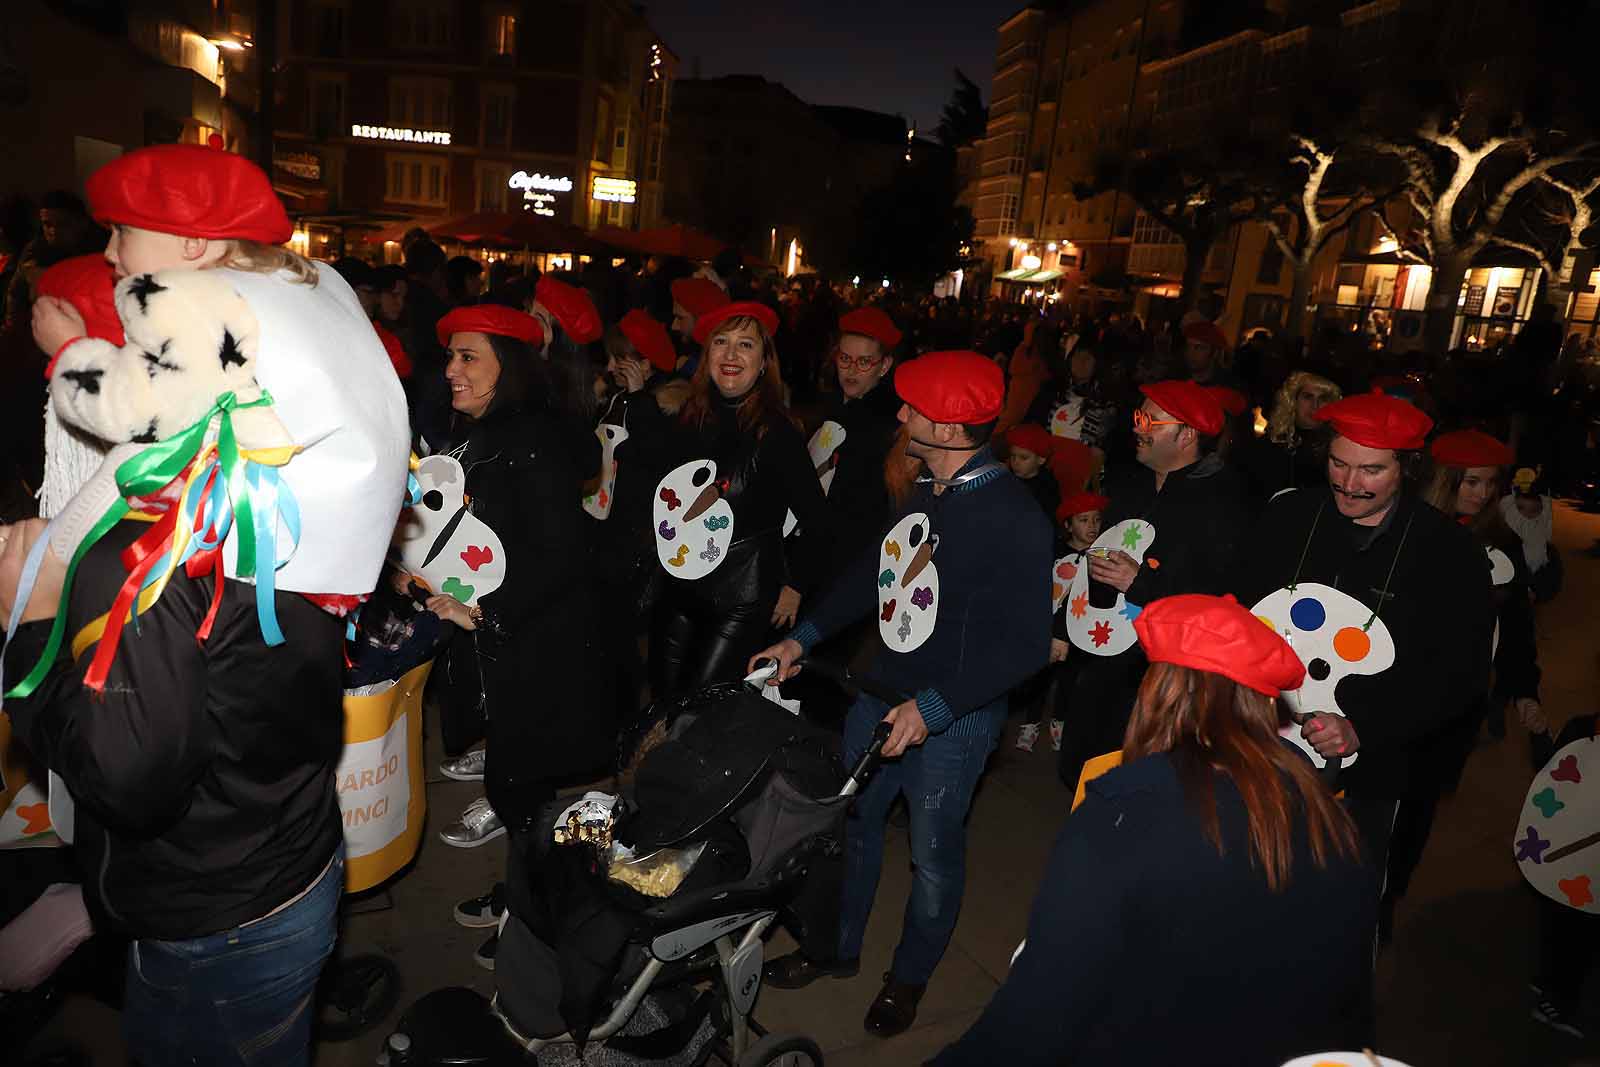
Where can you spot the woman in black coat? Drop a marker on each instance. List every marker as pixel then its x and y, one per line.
pixel 708 627
pixel 1207 904
pixel 526 461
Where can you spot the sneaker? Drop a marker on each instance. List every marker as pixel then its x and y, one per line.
pixel 477 824
pixel 484 911
pixel 484 957
pixel 1027 736
pixel 1556 1019
pixel 1055 735
pixel 467 767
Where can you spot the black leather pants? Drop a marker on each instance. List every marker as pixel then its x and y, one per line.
pixel 706 631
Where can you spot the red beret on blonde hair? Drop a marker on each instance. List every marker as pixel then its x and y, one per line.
pixel 190 191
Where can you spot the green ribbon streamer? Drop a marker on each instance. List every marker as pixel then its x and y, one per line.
pixel 142 475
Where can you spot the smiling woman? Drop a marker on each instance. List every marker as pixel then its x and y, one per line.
pixel 734 429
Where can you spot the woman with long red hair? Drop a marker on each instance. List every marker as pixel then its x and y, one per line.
pixel 741 467
pixel 1208 902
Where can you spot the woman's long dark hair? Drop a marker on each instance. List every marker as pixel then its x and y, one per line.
pixel 559 384
pixel 1210 723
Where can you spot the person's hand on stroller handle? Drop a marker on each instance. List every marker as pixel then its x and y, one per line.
pixel 908 729
pixel 785 653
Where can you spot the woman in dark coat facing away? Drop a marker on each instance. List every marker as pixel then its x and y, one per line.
pixel 1207 904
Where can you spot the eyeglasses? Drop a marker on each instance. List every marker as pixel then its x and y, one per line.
pixel 1142 421
pixel 845 360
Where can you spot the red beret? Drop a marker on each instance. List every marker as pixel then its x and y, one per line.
pixel 1231 400
pixel 955 387
pixel 1078 503
pixel 1033 437
pixel 746 309
pixel 491 318
pixel 89 285
pixel 1207 333
pixel 571 307
pixel 1377 421
pixel 1471 448
pixel 650 339
pixel 189 191
pixel 873 323
pixel 698 295
pixel 1215 634
pixel 1187 402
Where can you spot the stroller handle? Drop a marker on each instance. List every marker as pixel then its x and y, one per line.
pixel 849 682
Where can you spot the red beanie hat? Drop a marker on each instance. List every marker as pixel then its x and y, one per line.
pixel 1187 402
pixel 650 339
pixel 491 318
pixel 873 323
pixel 190 191
pixel 697 296
pixel 1215 634
pixel 1471 448
pixel 706 324
pixel 1033 437
pixel 1207 333
pixel 1078 503
pixel 89 284
pixel 954 387
pixel 571 307
pixel 1377 421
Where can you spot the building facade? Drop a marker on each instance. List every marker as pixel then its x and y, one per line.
pixel 166 71
pixel 427 109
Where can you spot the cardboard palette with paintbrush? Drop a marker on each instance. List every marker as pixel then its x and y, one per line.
pixel 598 503
pixel 693 523
pixel 908 584
pixel 823 447
pixel 441 543
pixel 1556 844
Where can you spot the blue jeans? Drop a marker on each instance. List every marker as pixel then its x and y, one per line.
pixel 242 996
pixel 938 778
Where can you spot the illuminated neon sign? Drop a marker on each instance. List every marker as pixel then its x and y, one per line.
pixel 539 191
pixel 389 133
pixel 615 190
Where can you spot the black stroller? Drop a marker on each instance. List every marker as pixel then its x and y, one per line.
pixel 743 800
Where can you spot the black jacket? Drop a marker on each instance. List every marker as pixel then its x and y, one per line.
pixel 1145 946
pixel 858 497
pixel 204 776
pixel 1200 514
pixel 1270 467
pixel 1438 611
pixel 544 685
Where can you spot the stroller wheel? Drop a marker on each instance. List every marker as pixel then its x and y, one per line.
pixel 779 1050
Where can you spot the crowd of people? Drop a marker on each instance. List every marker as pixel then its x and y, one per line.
pixel 1148 538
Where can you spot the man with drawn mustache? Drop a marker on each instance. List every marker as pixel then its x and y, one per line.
pixel 1370 535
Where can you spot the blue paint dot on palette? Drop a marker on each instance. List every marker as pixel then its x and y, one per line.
pixel 1308 614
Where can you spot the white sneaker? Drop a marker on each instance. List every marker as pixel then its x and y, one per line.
pixel 467 767
pixel 477 824
pixel 1055 735
pixel 1027 736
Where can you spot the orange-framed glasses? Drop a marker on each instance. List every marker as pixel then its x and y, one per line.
pixel 1142 421
pixel 845 360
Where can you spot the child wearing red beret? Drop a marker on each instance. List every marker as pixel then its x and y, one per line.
pixel 1029 449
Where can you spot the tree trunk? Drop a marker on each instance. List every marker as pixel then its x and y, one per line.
pixel 1294 320
pixel 1444 294
pixel 1195 252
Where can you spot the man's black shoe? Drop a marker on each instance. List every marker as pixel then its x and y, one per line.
pixel 796 971
pixel 894 1009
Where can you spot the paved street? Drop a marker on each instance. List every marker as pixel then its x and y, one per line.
pixel 1452 988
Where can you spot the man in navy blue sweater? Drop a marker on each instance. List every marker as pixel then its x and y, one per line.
pixel 960 586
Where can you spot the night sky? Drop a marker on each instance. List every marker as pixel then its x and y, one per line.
pixel 894 56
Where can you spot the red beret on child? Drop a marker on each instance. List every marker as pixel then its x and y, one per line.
pixel 649 338
pixel 1215 634
pixel 1033 437
pixel 1207 333
pixel 698 295
pixel 1377 421
pixel 1471 448
pixel 190 191
pixel 955 387
pixel 706 324
pixel 1187 402
pixel 491 318
pixel 89 284
pixel 571 307
pixel 873 323
pixel 1078 503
